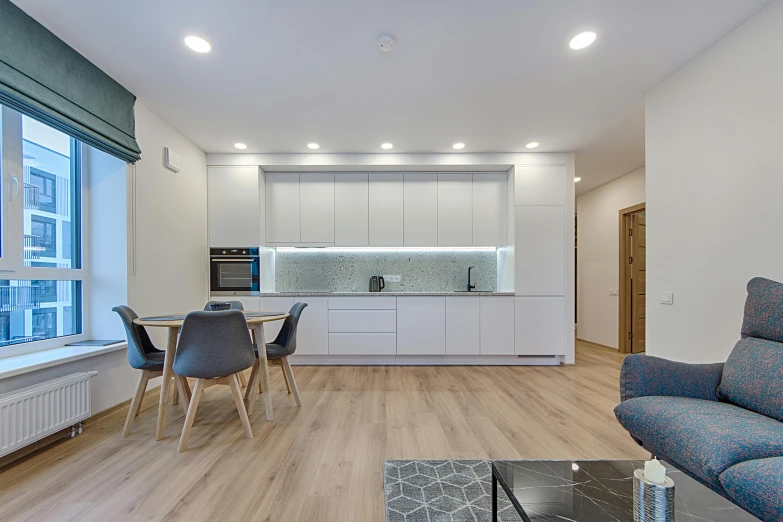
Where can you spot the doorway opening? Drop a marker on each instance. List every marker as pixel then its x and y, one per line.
pixel 633 279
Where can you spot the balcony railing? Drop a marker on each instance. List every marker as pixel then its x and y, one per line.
pixel 31 196
pixel 15 298
pixel 34 246
pixel 20 340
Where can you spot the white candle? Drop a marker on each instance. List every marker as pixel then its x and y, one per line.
pixel 655 472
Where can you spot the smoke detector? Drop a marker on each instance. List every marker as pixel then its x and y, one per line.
pixel 385 43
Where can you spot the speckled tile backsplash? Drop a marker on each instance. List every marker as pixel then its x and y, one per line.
pixel 317 270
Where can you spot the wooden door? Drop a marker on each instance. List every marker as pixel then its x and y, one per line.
pixel 638 281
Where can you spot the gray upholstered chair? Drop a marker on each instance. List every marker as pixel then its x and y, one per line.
pixel 213 347
pixel 235 305
pixel 142 355
pixel 277 352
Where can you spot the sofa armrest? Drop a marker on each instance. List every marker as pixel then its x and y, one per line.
pixel 643 375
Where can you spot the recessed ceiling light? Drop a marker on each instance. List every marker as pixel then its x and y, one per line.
pixel 198 44
pixel 386 146
pixel 532 145
pixel 458 146
pixel 240 146
pixel 577 180
pixel 313 146
pixel 582 40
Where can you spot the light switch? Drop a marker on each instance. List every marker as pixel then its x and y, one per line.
pixel 667 298
pixel 392 278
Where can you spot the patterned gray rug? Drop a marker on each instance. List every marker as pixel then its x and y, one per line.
pixel 442 491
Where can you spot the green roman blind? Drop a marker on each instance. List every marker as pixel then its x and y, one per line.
pixel 44 78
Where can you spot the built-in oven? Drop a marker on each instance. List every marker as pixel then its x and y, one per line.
pixel 234 271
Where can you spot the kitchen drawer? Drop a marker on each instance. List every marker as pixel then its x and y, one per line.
pixel 362 321
pixel 362 344
pixel 363 303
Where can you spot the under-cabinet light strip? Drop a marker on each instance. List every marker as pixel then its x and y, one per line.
pixel 386 249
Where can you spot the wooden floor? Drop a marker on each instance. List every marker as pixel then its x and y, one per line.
pixel 322 462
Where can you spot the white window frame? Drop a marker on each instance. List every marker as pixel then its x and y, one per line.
pixel 12 259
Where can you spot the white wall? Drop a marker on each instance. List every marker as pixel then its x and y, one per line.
pixel 169 254
pixel 598 255
pixel 714 189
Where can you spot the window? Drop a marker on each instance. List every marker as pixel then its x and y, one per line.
pixel 40 234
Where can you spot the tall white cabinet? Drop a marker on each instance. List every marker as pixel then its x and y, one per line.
pixel 234 206
pixel 455 209
pixel 386 213
pixel 420 209
pixel 540 259
pixel 282 208
pixel 351 209
pixel 316 207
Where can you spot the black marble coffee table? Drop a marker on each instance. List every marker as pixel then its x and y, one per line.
pixel 596 490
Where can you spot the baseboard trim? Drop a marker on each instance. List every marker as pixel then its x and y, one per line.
pixel 596 345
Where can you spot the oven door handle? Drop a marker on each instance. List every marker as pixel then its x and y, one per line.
pixel 234 260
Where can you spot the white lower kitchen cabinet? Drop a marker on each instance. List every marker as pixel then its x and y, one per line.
pixel 497 325
pixel 312 335
pixel 540 325
pixel 362 344
pixel 421 325
pixel 274 304
pixel 462 326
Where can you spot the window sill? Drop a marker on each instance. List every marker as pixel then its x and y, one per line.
pixel 31 362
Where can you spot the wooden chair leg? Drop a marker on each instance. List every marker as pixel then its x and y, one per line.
pixel 233 382
pixel 285 378
pixel 175 395
pixel 182 391
pixel 290 374
pixel 190 417
pixel 135 405
pixel 186 387
pixel 242 379
pixel 253 379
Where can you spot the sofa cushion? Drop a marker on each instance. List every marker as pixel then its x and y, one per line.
pixel 764 310
pixel 757 486
pixel 705 437
pixel 753 377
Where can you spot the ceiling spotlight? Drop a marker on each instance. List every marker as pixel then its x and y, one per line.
pixel 577 179
pixel 532 145
pixel 458 146
pixel 198 44
pixel 386 146
pixel 240 146
pixel 313 146
pixel 582 40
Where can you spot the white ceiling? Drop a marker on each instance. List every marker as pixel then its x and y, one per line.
pixel 494 74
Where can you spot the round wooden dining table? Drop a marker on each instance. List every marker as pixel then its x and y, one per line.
pixel 255 322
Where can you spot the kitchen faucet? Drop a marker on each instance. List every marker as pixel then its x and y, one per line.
pixel 470 286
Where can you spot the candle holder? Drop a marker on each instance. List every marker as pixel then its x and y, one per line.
pixel 652 502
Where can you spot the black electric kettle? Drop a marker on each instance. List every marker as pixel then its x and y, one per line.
pixel 377 284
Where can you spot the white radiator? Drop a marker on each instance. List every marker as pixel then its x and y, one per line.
pixel 35 412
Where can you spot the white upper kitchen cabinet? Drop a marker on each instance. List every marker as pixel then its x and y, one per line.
pixel 234 207
pixel 316 207
pixel 462 325
pixel 489 209
pixel 351 209
pixel 455 209
pixel 497 325
pixel 420 214
pixel 421 325
pixel 539 253
pixel 540 185
pixel 282 208
pixel 540 326
pixel 312 334
pixel 386 209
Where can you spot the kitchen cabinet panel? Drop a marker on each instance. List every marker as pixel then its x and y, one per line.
pixel 540 185
pixel 497 325
pixel 282 208
pixel 421 326
pixel 462 326
pixel 362 321
pixel 363 303
pixel 386 209
pixel 274 304
pixel 539 253
pixel 420 203
pixel 312 336
pixel 489 209
pixel 351 209
pixel 540 326
pixel 455 209
pixel 362 344
pixel 234 207
pixel 316 207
